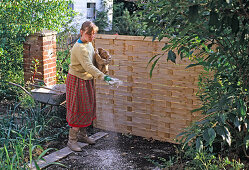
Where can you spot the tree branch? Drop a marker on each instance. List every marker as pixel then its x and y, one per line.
pixel 247 15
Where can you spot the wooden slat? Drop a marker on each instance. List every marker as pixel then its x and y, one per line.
pixel 55 156
pixel 156 107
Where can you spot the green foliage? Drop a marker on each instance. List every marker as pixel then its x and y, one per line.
pixel 210 162
pixel 121 5
pixel 101 20
pixel 163 163
pixel 20 152
pixel 215 35
pixel 127 20
pixel 18 19
pixel 102 17
pixel 23 132
pixel 64 40
pixel 63 61
pixel 128 24
pixel 189 159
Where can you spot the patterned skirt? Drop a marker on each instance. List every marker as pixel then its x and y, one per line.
pixel 81 101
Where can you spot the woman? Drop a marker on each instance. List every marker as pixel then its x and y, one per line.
pixel 80 90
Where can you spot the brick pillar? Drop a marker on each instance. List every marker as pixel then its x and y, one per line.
pixel 41 46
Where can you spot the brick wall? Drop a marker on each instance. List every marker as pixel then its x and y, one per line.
pixel 41 46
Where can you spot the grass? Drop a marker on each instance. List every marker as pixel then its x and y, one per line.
pixel 23 134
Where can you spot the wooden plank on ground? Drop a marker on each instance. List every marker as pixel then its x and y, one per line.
pixel 55 156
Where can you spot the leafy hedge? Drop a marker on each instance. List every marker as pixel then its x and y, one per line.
pixel 215 35
pixel 127 19
pixel 18 19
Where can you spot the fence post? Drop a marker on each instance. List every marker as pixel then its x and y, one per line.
pixel 40 46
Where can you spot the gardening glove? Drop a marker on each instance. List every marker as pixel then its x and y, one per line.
pixel 107 78
pixel 113 81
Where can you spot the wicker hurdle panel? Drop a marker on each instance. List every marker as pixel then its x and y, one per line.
pixel 158 107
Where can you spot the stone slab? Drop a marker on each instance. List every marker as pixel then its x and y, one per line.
pixel 55 156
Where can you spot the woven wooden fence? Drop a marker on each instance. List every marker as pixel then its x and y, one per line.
pixel 158 107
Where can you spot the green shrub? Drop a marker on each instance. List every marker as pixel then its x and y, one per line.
pixel 23 132
pixel 214 35
pixel 127 19
pixel 65 39
pixel 101 21
pixel 19 19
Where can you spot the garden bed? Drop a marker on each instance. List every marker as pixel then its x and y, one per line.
pixel 114 151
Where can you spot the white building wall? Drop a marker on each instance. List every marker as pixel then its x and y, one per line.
pixel 80 6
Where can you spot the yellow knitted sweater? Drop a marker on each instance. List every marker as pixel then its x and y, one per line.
pixel 81 64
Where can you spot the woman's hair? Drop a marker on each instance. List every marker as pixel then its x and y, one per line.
pixel 89 27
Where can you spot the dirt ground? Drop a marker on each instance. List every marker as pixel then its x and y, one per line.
pixel 118 151
pixel 113 152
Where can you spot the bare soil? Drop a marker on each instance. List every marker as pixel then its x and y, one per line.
pixel 118 151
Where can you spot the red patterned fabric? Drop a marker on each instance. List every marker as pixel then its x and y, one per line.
pixel 81 101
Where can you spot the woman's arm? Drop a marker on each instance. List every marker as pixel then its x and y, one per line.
pixel 87 64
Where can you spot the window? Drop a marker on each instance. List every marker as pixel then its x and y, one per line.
pixel 91 10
